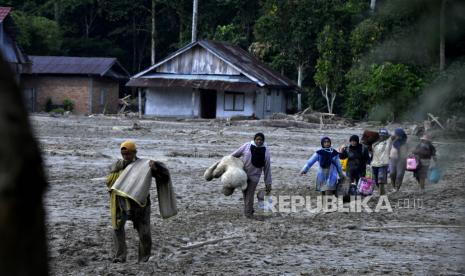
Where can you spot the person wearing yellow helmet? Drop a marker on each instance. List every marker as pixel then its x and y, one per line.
pixel 127 206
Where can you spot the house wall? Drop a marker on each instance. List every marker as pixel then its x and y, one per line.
pixel 75 88
pixel 249 107
pixel 197 61
pixel 109 101
pixel 7 47
pixel 171 102
pixel 270 101
pixel 58 88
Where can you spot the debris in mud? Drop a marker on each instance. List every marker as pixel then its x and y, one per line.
pixel 194 154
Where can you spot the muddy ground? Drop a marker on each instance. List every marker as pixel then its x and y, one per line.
pixel 78 150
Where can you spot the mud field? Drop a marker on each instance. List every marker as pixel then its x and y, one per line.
pixel 78 150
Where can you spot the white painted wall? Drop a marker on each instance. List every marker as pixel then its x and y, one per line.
pixel 171 102
pixel 249 107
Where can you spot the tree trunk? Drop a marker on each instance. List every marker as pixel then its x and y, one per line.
pixel 23 249
pixel 327 95
pixel 134 44
pixel 194 20
pixel 153 35
pixel 442 43
pixel 333 97
pixel 372 5
pixel 300 72
pixel 56 12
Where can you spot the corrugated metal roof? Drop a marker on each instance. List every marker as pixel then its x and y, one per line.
pixel 4 11
pixel 194 83
pixel 241 60
pixel 247 63
pixel 77 66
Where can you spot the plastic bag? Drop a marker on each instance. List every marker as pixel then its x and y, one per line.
pixel 434 175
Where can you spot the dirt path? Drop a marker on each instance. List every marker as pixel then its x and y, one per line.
pixel 79 149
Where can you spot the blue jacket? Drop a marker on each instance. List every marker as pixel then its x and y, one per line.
pixel 335 169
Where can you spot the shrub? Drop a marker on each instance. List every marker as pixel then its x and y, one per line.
pixel 48 105
pixel 68 105
pixel 58 110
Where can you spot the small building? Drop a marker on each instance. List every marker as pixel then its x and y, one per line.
pixel 9 49
pixel 91 83
pixel 210 79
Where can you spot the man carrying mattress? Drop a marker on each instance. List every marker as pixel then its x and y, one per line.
pixel 129 185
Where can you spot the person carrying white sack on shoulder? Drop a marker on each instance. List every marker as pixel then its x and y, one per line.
pixel 257 159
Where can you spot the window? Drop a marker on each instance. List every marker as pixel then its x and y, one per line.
pixel 102 97
pixel 234 101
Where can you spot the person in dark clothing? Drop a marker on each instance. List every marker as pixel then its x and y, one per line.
pixel 425 151
pixel 357 159
pixel 397 158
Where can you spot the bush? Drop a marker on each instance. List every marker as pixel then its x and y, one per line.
pixel 48 105
pixel 58 110
pixel 384 92
pixel 68 105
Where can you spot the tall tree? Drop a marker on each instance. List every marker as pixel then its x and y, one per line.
pixel 291 28
pixel 331 64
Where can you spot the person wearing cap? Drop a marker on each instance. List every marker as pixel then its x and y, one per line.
pixel 257 159
pixel 125 207
pixel 329 167
pixel 425 151
pixel 398 158
pixel 380 159
pixel 358 158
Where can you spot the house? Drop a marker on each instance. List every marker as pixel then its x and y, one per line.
pixel 9 49
pixel 91 83
pixel 210 79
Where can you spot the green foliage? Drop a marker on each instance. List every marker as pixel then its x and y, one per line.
pixel 365 35
pixel 229 33
pixel 384 92
pixel 68 105
pixel 38 35
pixel 58 110
pixel 332 61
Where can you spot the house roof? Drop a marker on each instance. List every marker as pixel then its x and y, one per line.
pixel 4 11
pixel 256 72
pixel 100 66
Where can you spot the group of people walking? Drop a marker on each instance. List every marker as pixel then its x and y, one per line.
pixel 386 157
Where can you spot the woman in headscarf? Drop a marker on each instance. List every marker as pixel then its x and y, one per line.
pixel 425 151
pixel 380 159
pixel 397 158
pixel 256 158
pixel 358 158
pixel 329 167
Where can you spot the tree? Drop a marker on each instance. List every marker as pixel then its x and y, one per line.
pixel 331 64
pixel 38 35
pixel 291 28
pixel 384 92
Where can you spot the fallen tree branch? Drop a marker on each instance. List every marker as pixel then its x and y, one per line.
pixel 377 228
pixel 200 244
pixel 435 119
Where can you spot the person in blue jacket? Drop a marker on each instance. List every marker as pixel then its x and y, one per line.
pixel 329 167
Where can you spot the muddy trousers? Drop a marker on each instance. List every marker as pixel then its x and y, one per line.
pixel 140 216
pixel 380 177
pixel 249 195
pixel 396 172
